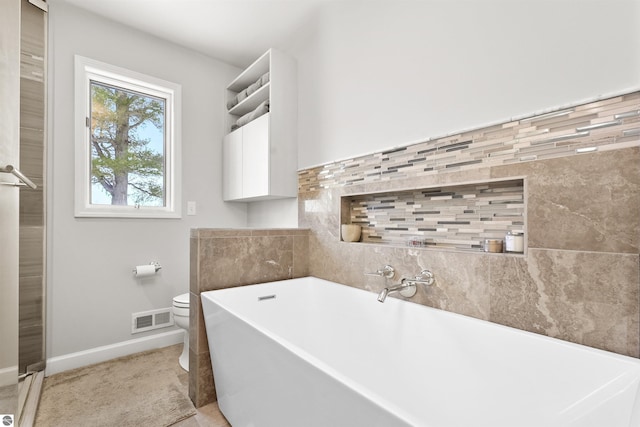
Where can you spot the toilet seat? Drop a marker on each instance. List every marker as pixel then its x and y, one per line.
pixel 181 301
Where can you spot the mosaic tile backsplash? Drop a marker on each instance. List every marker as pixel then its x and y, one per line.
pixel 607 124
pixel 396 217
pixel 459 217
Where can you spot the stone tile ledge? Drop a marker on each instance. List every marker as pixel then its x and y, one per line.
pixel 209 233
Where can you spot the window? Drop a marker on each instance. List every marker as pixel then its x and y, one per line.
pixel 127 143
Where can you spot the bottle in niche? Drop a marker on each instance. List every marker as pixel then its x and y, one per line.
pixel 514 242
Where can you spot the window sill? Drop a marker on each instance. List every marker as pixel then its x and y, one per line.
pixel 127 212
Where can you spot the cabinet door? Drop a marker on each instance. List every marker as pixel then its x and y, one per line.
pixel 232 166
pixel 255 158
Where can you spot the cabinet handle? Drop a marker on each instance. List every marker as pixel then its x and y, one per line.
pixel 15 172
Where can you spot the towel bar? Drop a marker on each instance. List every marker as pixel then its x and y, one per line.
pixel 15 172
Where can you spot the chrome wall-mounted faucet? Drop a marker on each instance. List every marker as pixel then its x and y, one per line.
pixel 408 286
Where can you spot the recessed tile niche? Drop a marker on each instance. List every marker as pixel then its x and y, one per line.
pixel 458 217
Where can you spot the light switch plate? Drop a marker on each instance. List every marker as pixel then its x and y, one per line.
pixel 191 208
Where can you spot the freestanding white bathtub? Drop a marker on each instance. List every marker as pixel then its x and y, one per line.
pixel 307 352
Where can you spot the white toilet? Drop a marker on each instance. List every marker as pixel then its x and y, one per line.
pixel 181 317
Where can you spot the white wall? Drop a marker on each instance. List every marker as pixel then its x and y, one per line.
pixel 91 290
pixel 380 74
pixel 280 213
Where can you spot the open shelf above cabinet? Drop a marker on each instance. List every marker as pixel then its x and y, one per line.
pixel 260 150
pixel 251 74
pixel 252 101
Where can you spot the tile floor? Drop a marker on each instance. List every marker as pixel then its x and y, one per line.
pixel 207 416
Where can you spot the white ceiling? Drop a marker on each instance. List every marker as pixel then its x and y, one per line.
pixel 234 31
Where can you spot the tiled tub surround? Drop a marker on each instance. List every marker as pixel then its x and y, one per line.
pixel 224 258
pixel 580 277
pixel 457 216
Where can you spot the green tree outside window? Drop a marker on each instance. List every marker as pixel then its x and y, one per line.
pixel 127 147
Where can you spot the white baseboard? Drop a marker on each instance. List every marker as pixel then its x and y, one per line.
pixel 101 354
pixel 9 376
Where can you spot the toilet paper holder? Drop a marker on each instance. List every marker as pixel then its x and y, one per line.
pixel 155 264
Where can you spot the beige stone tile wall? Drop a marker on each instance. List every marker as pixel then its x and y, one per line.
pixel 587 202
pixel 585 297
pixel 224 258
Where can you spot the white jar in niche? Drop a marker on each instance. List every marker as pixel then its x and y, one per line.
pixel 514 242
pixel 350 232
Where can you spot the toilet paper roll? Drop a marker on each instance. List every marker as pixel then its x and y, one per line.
pixel 145 270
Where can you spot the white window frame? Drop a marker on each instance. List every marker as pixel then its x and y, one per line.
pixel 87 70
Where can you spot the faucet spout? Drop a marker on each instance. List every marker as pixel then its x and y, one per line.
pixel 383 294
pixel 406 289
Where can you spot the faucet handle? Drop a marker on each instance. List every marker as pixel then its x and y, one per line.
pixel 426 277
pixel 386 271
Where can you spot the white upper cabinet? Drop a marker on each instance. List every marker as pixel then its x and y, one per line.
pixel 232 155
pixel 260 150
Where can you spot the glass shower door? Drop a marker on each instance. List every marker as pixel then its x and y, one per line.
pixel 9 207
